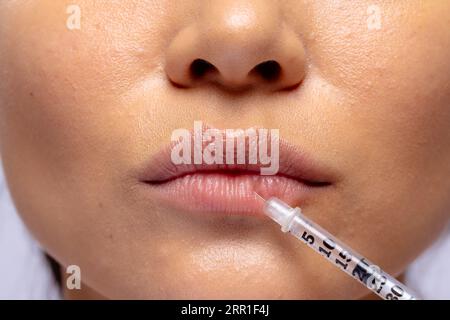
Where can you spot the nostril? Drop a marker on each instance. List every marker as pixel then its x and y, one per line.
pixel 268 70
pixel 200 68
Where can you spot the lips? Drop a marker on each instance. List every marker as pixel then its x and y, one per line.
pixel 229 189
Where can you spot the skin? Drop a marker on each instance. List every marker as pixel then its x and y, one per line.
pixel 80 109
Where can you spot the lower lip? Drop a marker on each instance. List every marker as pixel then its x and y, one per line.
pixel 217 193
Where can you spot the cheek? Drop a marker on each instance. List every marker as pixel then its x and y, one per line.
pixel 390 131
pixel 395 85
pixel 61 96
pixel 396 75
pixel 65 89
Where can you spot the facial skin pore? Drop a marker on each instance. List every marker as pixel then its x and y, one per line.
pixel 80 110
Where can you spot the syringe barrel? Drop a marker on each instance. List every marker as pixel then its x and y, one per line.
pixel 336 252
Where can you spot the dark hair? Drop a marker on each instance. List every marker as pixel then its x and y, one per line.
pixel 56 268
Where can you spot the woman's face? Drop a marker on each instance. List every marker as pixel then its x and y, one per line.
pixel 360 87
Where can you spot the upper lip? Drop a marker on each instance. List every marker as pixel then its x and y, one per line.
pixel 293 163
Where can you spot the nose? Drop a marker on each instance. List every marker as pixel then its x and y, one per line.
pixel 237 45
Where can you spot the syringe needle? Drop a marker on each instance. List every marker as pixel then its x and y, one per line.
pixel 259 196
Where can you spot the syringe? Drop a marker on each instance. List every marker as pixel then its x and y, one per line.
pixel 342 256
